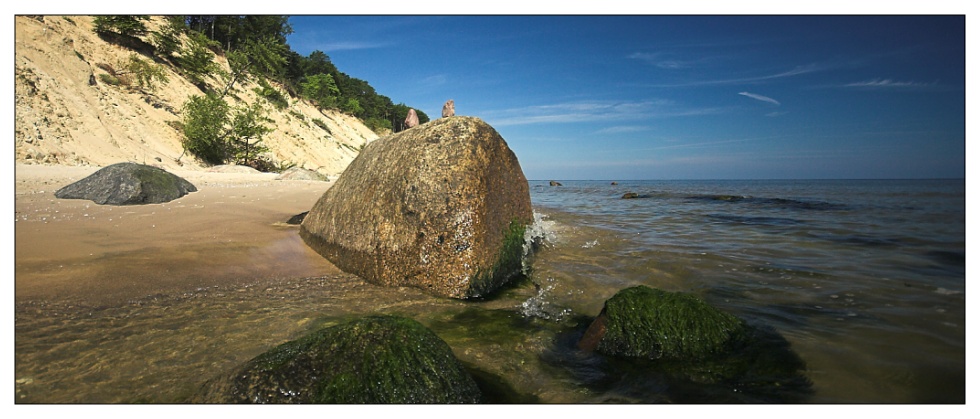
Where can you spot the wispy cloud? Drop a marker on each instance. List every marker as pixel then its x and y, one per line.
pixel 350 45
pixel 760 97
pixel 656 59
pixel 593 111
pixel 775 114
pixel 623 129
pixel 795 71
pixel 888 84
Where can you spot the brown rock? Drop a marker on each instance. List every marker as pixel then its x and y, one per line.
pixel 553 183
pixel 630 195
pixel 449 109
pixel 442 208
pixel 412 119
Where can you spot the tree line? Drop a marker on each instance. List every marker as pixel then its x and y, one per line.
pixel 256 49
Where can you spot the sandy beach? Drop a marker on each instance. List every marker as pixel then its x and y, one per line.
pixel 232 230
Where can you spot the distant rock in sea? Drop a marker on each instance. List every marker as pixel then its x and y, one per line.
pixel 128 184
pixel 553 183
pixel 442 208
pixel 630 195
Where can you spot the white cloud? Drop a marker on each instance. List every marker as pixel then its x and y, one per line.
pixel 760 97
pixel 795 71
pixel 622 129
pixel 592 112
pixel 887 83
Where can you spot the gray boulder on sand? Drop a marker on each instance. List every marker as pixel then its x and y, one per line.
pixel 299 173
pixel 442 207
pixel 128 184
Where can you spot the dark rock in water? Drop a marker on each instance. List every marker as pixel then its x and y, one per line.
pixel 299 173
pixel 684 340
pixel 128 184
pixel 642 322
pixel 449 109
pixel 553 183
pixel 378 359
pixel 297 219
pixel 442 207
pixel 614 183
pixel 630 195
pixel 412 119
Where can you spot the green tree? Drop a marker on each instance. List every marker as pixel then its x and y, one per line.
pixel 197 60
pixel 352 106
pixel 146 72
pixel 126 25
pixel 205 119
pixel 321 89
pixel 247 130
pixel 167 40
pixel 261 57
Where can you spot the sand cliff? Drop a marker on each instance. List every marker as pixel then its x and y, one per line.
pixel 61 118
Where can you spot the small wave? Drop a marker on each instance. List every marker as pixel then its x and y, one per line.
pixel 541 232
pixel 591 244
pixel 541 307
pixel 944 291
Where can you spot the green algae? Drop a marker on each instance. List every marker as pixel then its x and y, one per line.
pixel 643 322
pixel 507 264
pixel 377 359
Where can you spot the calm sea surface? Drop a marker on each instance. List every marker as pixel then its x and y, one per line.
pixel 865 280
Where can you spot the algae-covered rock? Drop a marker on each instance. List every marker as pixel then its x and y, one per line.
pixel 128 184
pixel 378 359
pixel 642 322
pixel 441 207
pixel 682 340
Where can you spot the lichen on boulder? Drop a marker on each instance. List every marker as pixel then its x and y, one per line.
pixel 441 207
pixel 128 184
pixel 377 359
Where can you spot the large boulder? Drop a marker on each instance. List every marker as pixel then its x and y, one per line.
pixel 442 207
pixel 382 359
pixel 128 184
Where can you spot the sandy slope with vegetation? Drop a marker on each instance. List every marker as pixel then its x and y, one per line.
pixel 231 230
pixel 62 118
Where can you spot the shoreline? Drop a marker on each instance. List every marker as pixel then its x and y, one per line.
pixel 230 231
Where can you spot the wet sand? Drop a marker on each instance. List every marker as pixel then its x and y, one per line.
pixel 231 231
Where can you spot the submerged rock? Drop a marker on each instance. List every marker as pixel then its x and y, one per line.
pixel 442 207
pixel 297 219
pixel 378 359
pixel 128 184
pixel 681 339
pixel 630 195
pixel 642 322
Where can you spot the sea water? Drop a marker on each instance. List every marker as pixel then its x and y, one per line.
pixel 865 278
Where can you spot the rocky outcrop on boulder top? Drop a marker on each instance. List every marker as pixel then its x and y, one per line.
pixel 128 184
pixel 441 207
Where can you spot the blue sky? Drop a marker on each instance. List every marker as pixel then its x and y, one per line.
pixel 678 97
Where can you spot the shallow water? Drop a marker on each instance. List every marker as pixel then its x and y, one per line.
pixel 865 280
